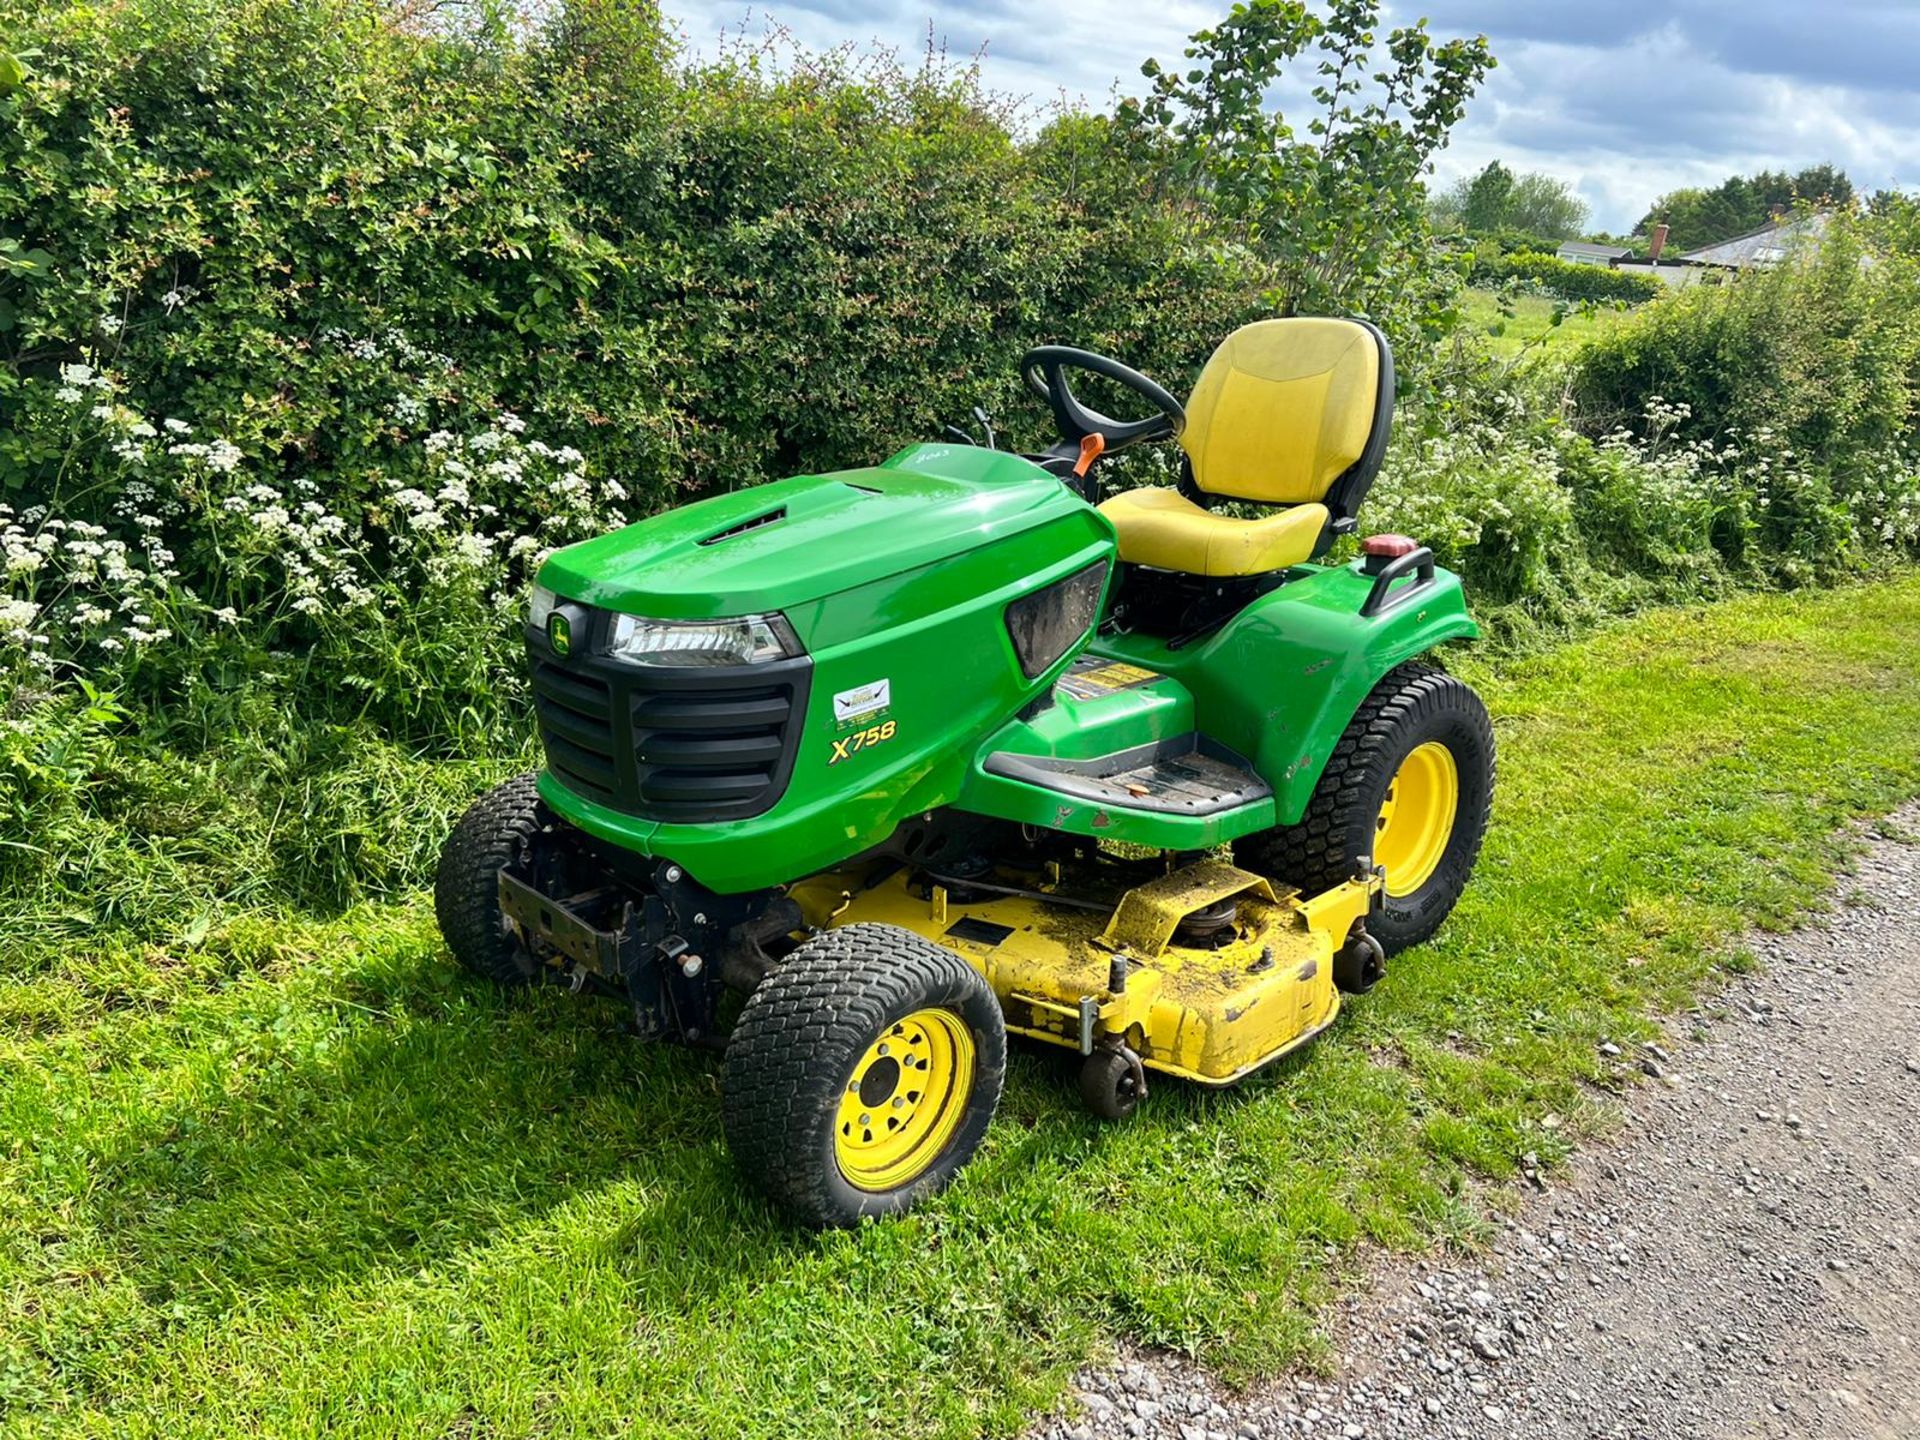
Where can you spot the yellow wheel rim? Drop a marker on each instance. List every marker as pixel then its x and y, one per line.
pixel 1416 819
pixel 904 1100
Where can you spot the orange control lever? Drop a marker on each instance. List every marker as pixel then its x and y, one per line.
pixel 1091 448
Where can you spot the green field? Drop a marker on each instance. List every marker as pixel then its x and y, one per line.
pixel 303 1178
pixel 1530 326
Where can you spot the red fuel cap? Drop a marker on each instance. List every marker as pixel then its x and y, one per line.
pixel 1391 546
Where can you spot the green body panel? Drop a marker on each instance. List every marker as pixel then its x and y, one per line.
pixel 903 573
pixel 1082 728
pixel 1280 683
pixel 909 586
pixel 1075 727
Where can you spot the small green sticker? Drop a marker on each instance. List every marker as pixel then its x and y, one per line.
pixel 560 633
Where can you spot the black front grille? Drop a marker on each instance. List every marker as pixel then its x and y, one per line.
pixel 676 743
pixel 575 712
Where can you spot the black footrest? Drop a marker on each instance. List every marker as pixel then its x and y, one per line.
pixel 1188 775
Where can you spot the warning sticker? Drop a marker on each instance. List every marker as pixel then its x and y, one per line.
pixel 1091 677
pixel 855 706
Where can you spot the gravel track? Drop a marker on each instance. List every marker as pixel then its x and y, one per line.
pixel 1744 1260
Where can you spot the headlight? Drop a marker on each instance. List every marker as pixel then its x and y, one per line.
pixel 540 607
pixel 750 640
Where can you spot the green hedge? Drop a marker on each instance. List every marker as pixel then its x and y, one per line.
pixel 699 278
pixel 1563 279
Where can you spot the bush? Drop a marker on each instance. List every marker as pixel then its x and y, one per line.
pixel 1562 279
pixel 685 280
pixel 1820 351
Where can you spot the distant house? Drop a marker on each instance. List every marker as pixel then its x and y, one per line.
pixel 1585 252
pixel 1768 245
pixel 1676 270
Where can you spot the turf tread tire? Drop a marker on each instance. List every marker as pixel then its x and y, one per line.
pixel 797 1041
pixel 1409 704
pixel 466 885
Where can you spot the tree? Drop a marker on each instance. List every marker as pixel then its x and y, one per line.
pixel 1544 206
pixel 1741 204
pixel 1337 214
pixel 1496 199
pixel 1488 194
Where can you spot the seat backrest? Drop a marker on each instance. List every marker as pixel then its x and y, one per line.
pixel 1292 411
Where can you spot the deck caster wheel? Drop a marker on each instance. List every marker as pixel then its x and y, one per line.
pixel 862 1074
pixel 1360 964
pixel 1113 1082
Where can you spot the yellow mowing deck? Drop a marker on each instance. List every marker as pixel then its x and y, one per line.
pixel 1078 972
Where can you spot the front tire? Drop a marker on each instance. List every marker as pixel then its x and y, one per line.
pixel 1410 784
pixel 862 1074
pixel 466 886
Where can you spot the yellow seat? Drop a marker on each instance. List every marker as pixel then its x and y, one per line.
pixel 1164 529
pixel 1287 412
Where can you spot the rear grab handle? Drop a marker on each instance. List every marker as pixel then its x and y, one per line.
pixel 1383 597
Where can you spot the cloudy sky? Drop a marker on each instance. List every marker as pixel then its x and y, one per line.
pixel 1622 101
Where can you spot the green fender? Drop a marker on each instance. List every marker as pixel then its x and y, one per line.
pixel 1280 683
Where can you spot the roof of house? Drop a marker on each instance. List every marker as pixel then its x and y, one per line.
pixel 1587 247
pixel 1765 245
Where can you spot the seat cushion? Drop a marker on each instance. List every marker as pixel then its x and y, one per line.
pixel 1164 529
pixel 1283 409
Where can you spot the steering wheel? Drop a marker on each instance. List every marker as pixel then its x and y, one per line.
pixel 1045 370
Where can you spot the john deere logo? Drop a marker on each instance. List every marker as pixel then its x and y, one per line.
pixel 560 633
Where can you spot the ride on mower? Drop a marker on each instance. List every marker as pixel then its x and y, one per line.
pixel 920 755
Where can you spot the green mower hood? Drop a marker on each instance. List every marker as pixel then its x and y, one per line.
pixel 778 546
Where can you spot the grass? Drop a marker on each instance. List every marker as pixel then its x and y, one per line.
pixel 1516 323
pixel 303 1179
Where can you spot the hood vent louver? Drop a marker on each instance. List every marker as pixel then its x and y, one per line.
pixel 772 517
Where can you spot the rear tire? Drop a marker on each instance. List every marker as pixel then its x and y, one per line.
pixel 862 1074
pixel 466 887
pixel 1415 706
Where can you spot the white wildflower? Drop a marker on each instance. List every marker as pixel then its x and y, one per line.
pixel 16 616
